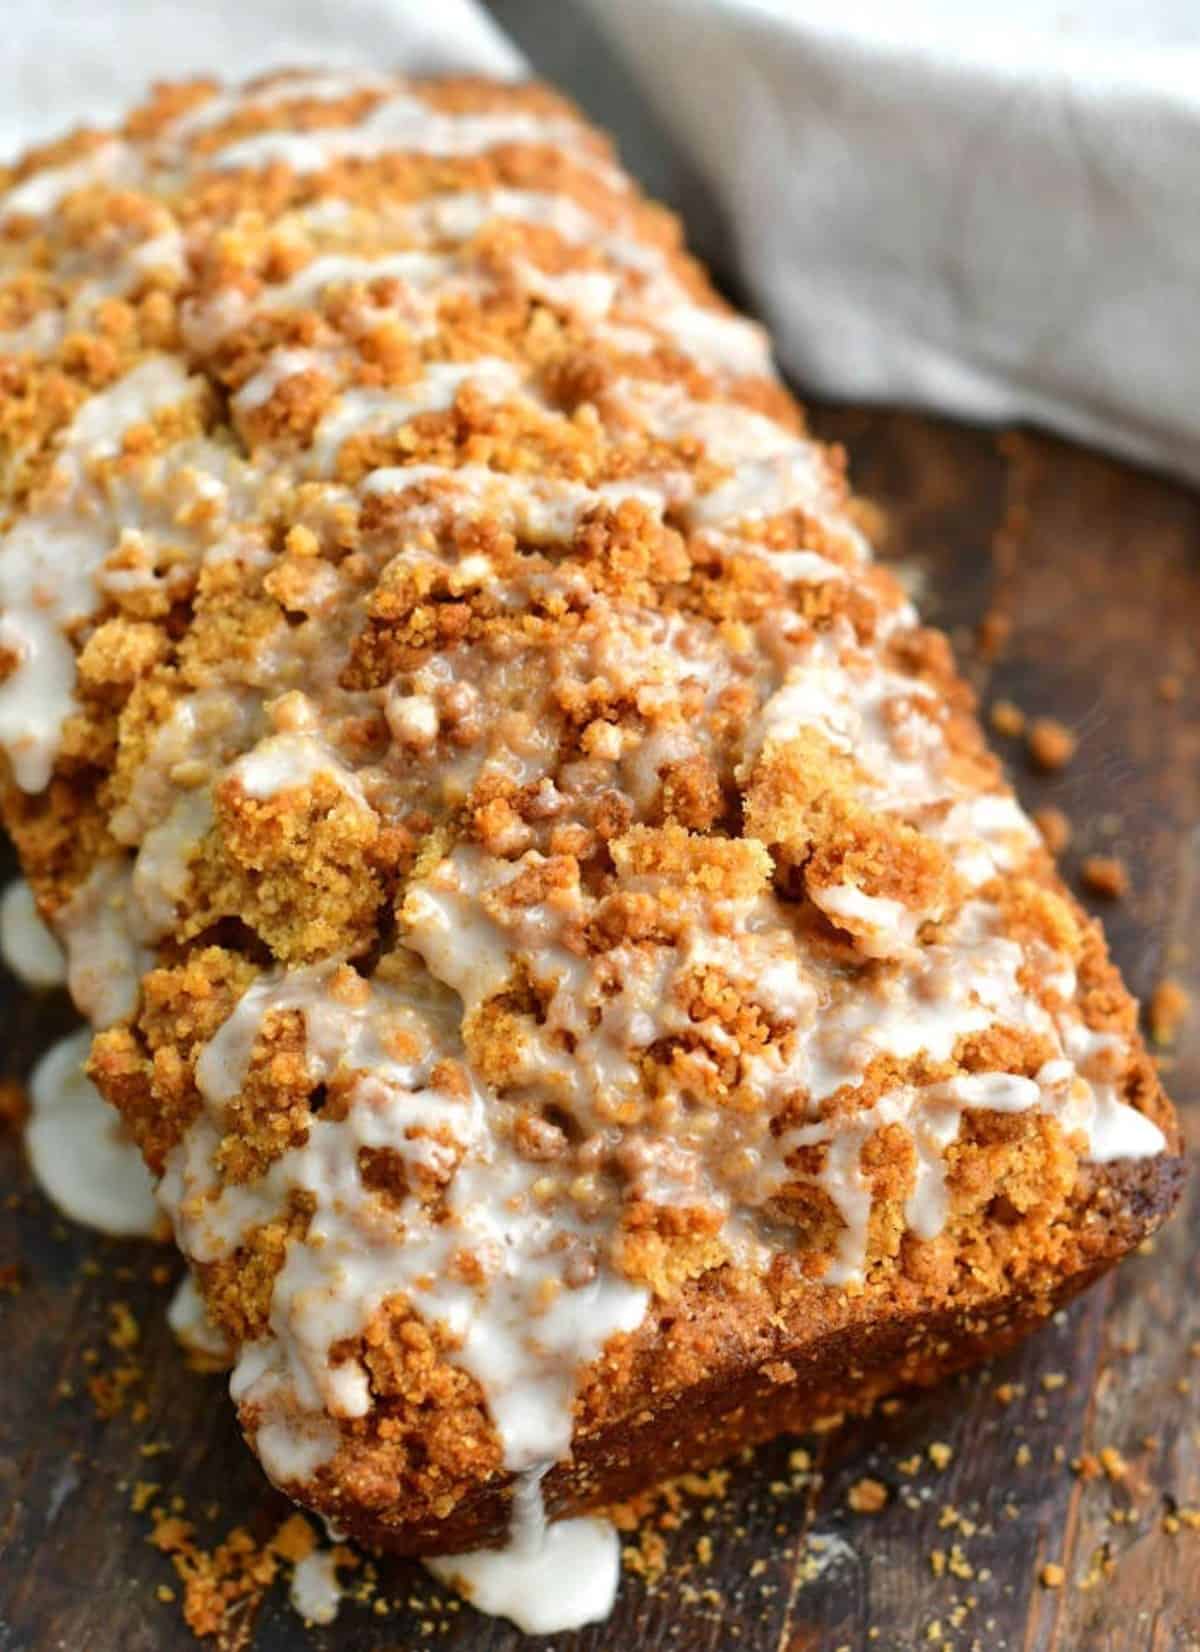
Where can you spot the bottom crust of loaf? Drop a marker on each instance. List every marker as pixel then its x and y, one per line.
pixel 834 1359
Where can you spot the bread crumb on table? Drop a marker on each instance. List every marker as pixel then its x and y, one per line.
pixel 1055 828
pixel 867 1496
pixel 993 633
pixel 1007 718
pixel 1114 1465
pixel 1051 744
pixel 14 1104
pixel 1105 875
pixel 1170 1005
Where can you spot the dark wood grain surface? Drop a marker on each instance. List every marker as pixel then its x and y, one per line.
pixel 1099 567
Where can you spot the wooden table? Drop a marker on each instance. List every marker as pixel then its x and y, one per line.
pixel 1099 566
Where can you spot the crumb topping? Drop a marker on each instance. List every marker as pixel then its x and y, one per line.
pixel 526 865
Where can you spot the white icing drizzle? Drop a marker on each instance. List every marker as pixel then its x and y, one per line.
pixel 28 947
pixel 283 762
pixel 1114 1129
pixel 194 1330
pixel 554 1578
pixel 729 343
pixel 49 560
pixel 315 1592
pixel 406 124
pixel 83 1158
pixel 162 871
pixel 39 194
pixel 358 412
pixel 320 85
pixel 279 367
pixel 523 1340
pixel 102 934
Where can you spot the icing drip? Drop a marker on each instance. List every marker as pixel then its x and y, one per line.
pixel 406 124
pixel 83 1158
pixel 50 560
pixel 28 947
pixel 523 1340
pixel 548 1578
pixel 315 1592
pixel 194 1330
pixel 81 1154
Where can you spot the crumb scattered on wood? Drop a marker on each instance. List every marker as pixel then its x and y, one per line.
pixel 1105 875
pixel 218 1585
pixel 14 1104
pixel 1055 828
pixel 1169 1007
pixel 1007 718
pixel 992 634
pixel 867 1496
pixel 1051 743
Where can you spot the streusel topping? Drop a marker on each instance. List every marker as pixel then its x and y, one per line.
pixel 524 860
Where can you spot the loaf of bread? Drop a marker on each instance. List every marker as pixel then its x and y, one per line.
pixel 549 915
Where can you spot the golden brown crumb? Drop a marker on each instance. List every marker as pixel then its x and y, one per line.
pixel 870 517
pixel 867 1496
pixel 1055 828
pixel 940 1454
pixel 125 1333
pixel 1105 875
pixel 1170 1004
pixel 1007 718
pixel 647 1557
pixel 1114 1465
pixel 1051 744
pixel 14 1104
pixel 222 1586
pixel 295 1539
pixel 994 631
pixel 1052 1575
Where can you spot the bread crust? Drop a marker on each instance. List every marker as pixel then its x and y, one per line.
pixel 790 1376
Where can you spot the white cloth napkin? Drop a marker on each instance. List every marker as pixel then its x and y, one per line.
pixel 988 209
pixel 991 210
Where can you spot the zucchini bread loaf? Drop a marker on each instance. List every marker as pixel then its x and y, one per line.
pixel 549 916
